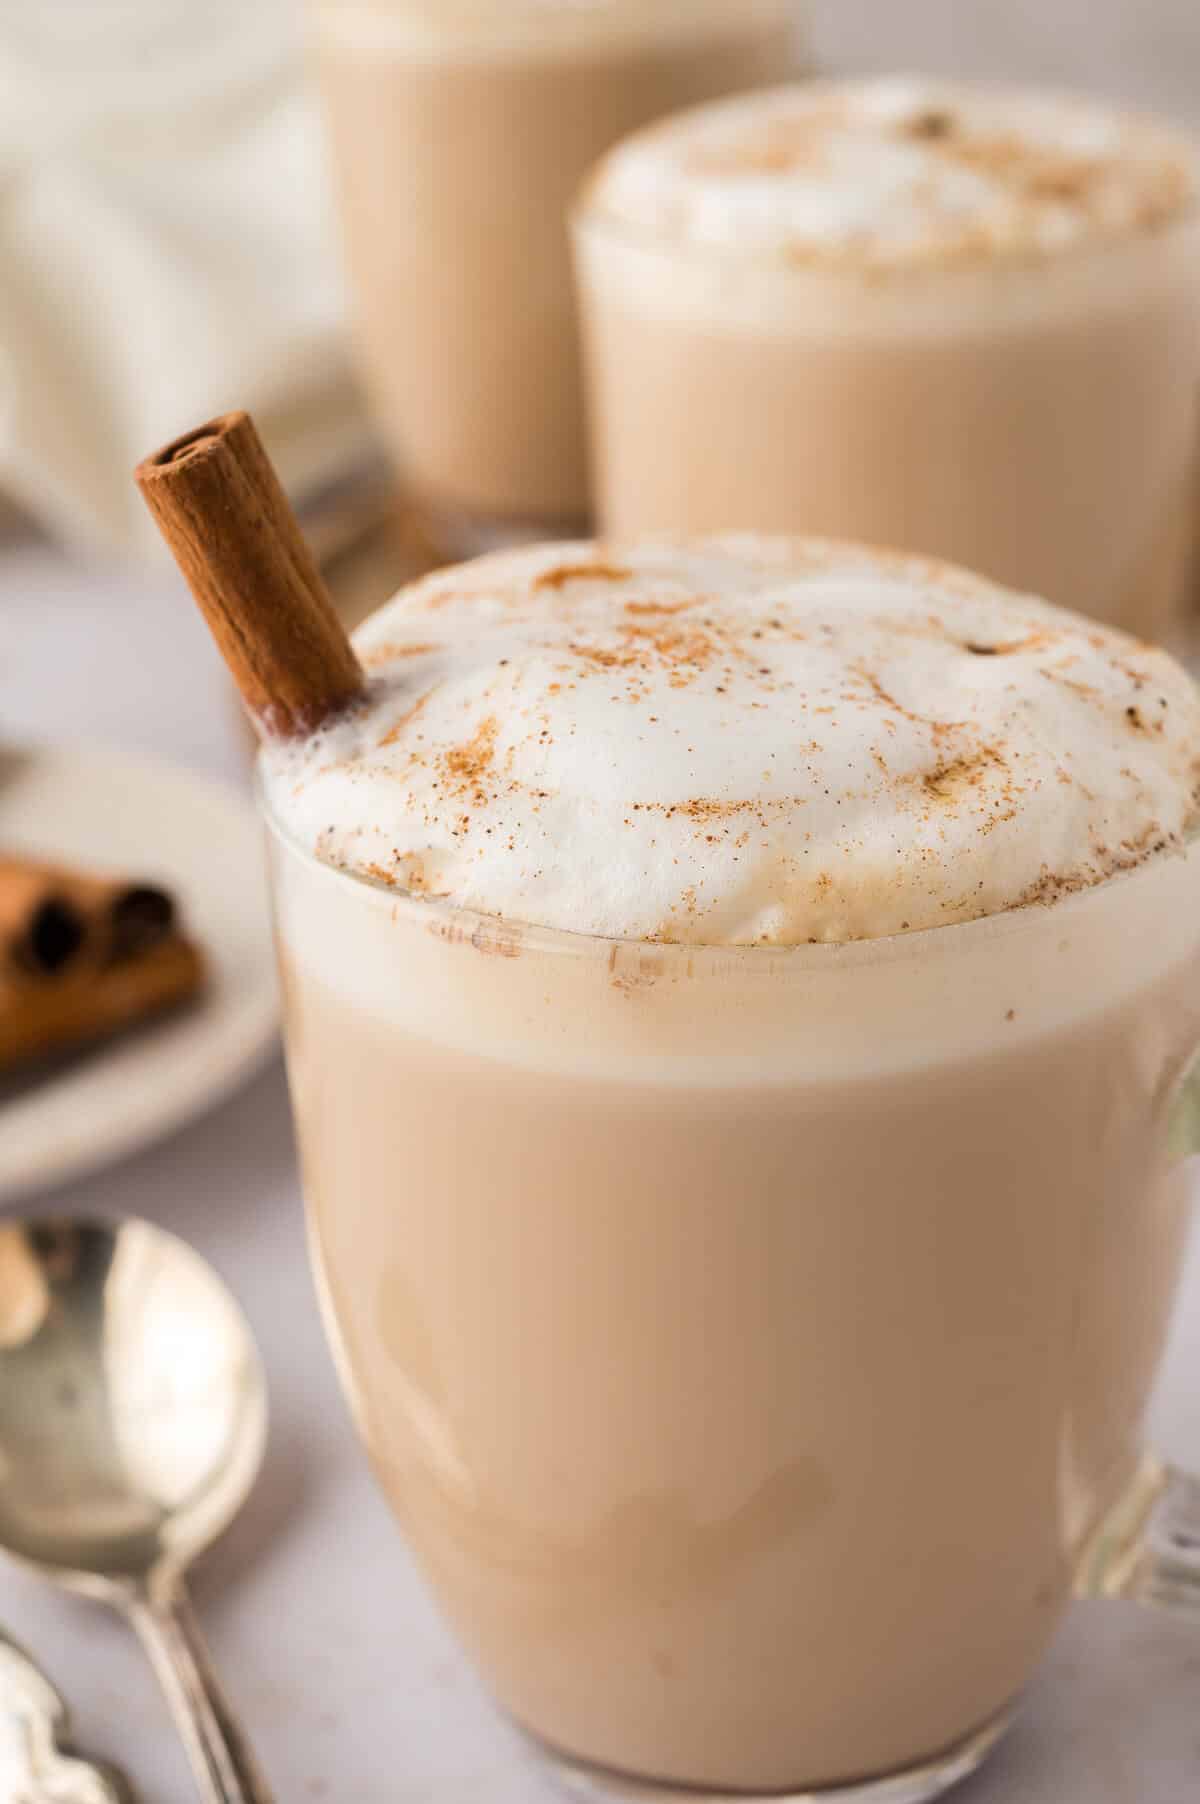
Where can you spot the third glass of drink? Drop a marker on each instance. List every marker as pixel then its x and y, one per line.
pixel 963 321
pixel 460 130
pixel 741 999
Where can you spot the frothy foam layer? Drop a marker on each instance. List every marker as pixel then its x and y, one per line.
pixel 897 172
pixel 740 741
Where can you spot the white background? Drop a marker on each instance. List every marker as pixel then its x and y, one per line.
pixel 1146 51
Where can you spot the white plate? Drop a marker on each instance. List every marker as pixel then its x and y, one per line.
pixel 91 806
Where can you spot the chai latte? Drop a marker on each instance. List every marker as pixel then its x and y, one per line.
pixel 461 129
pixel 736 998
pixel 964 321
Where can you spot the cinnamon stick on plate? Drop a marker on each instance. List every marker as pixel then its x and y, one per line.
pixel 89 1004
pixel 43 930
pixel 224 515
pixel 82 955
pixel 54 919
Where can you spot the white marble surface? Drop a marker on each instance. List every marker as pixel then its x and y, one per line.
pixel 352 1688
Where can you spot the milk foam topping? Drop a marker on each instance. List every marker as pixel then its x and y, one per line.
pixel 895 172
pixel 742 740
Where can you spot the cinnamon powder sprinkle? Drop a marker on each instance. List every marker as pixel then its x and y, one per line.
pixel 400 728
pixel 1042 176
pixel 882 784
pixel 471 761
pixel 562 574
pixel 947 782
pixel 395 652
pixel 650 608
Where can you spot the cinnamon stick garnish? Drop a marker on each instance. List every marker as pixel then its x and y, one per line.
pixel 222 510
pixel 54 918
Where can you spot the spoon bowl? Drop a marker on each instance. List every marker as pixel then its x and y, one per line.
pixel 132 1402
pixel 133 1421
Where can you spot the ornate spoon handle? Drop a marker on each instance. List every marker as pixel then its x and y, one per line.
pixel 225 1769
pixel 34 1765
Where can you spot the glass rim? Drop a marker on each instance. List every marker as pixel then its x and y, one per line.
pixel 454 21
pixel 456 922
pixel 550 9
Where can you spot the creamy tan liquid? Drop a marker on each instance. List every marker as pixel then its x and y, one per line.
pixel 747 1342
pixel 456 167
pixel 1037 423
pixel 1054 457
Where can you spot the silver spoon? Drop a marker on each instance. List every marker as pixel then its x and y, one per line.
pixel 132 1425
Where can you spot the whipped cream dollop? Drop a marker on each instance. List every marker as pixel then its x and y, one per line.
pixel 897 172
pixel 742 740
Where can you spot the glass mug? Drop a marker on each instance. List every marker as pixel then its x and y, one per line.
pixel 987 415
pixel 754 1343
pixel 460 131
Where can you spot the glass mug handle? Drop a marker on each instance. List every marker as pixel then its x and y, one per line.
pixel 1148 1549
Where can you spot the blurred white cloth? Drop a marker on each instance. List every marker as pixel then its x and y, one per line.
pixel 166 251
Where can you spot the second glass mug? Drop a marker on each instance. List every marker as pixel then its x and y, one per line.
pixel 460 131
pixel 754 1343
pixel 990 415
